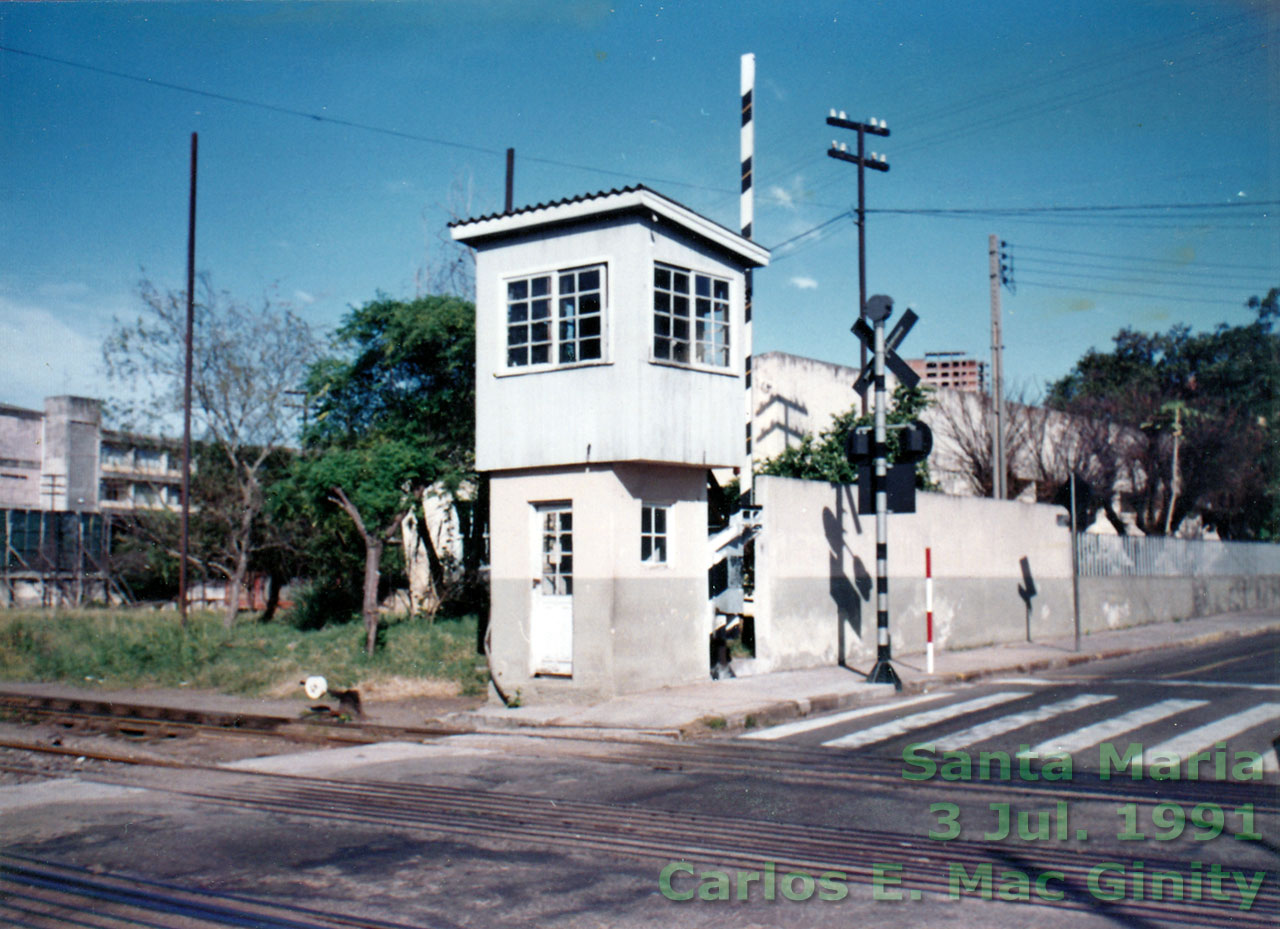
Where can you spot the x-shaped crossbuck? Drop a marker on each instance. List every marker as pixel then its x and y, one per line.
pixel 891 342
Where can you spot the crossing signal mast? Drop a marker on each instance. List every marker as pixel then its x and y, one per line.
pixel 877 162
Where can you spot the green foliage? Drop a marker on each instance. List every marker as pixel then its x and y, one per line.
pixel 147 649
pixel 822 458
pixel 1224 386
pixel 394 414
pixel 405 370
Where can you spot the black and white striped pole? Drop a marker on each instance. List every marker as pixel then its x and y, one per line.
pixel 877 310
pixel 746 213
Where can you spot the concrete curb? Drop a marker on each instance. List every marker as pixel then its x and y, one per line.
pixel 781 711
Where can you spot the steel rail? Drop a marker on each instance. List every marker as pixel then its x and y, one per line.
pixel 654 834
pixel 62 886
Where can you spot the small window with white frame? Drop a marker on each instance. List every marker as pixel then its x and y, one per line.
pixel 690 317
pixel 653 533
pixel 556 318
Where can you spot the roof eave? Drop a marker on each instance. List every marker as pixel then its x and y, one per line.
pixel 507 224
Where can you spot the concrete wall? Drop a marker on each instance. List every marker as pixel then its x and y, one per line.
pixel 72 439
pixel 626 407
pixel 794 395
pixel 815 574
pixel 636 626
pixel 1001 571
pixel 20 456
pixel 1115 602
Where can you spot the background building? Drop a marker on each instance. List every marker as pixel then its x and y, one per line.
pixel 62 460
pixel 951 369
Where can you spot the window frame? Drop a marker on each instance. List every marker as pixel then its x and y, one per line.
pixel 564 331
pixel 652 535
pixel 701 326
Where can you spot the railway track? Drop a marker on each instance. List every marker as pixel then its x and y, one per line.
pixel 661 836
pixel 142 720
pixel 36 893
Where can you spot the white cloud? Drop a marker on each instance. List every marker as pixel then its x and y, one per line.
pixel 782 196
pixel 303 297
pixel 49 354
pixel 804 283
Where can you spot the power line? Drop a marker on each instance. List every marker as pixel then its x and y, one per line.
pixel 1127 293
pixel 1013 212
pixel 1166 261
pixel 1096 208
pixel 1052 264
pixel 348 123
pixel 1127 279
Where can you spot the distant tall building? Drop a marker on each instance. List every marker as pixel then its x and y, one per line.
pixel 62 460
pixel 951 369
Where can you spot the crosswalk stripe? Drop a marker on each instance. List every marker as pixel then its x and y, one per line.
pixel 1205 737
pixel 820 722
pixel 1214 684
pixel 989 730
pixel 1109 728
pixel 920 720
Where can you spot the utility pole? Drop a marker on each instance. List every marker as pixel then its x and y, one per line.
pixel 998 467
pixel 878 163
pixel 186 391
pixel 511 178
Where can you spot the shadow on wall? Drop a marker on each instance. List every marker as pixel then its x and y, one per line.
pixel 788 406
pixel 1027 589
pixel 848 595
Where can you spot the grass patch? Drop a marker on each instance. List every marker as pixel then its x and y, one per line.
pixel 134 648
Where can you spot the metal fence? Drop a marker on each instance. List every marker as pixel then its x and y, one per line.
pixel 1156 556
pixel 42 542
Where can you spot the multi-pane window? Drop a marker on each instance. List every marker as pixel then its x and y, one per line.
pixel 690 317
pixel 557 552
pixel 556 318
pixel 653 533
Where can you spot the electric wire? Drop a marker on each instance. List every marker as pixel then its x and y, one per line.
pixel 1167 261
pixel 1126 293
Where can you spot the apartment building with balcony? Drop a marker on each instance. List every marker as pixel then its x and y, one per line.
pixel 60 459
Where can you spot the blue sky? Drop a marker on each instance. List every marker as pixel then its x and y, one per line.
pixel 995 106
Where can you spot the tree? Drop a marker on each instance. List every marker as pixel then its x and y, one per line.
pixel 1224 385
pixel 246 361
pixel 395 414
pixel 823 458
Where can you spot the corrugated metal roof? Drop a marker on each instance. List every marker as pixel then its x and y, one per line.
pixel 580 198
pixel 584 206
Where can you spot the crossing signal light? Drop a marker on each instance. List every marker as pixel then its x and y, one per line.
pixel 914 443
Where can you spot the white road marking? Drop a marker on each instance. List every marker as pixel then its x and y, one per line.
pixel 990 730
pixel 1109 728
pixel 819 722
pixel 920 720
pixel 1214 684
pixel 1204 738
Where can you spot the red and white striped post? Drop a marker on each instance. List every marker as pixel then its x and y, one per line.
pixel 928 610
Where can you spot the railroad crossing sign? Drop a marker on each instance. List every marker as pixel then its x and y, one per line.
pixel 876 308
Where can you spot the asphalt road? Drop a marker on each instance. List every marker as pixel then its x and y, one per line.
pixel 482 831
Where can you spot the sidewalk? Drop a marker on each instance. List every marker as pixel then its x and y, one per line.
pixel 711 706
pixel 767 699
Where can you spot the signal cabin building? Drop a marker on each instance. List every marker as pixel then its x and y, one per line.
pixel 609 379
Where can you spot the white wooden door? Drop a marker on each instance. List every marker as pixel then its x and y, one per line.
pixel 551 613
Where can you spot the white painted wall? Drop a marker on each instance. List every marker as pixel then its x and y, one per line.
pixel 636 626
pixel 626 408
